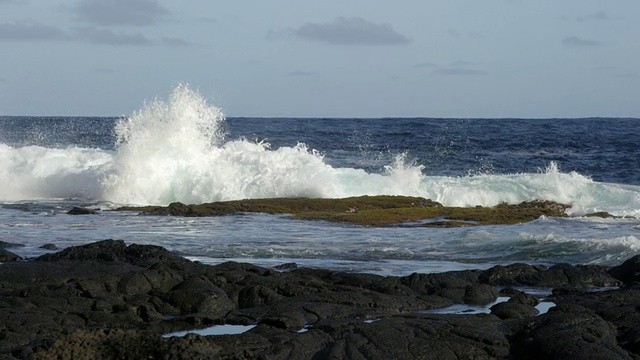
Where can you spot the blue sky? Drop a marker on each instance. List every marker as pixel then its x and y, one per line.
pixel 329 58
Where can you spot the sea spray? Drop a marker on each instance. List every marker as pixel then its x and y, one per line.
pixel 175 151
pixel 36 172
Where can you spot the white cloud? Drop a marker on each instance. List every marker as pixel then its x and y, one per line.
pixel 345 31
pixel 120 12
pixel 597 16
pixel 108 37
pixel 31 31
pixel 169 41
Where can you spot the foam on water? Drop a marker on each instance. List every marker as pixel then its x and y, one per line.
pixel 35 172
pixel 175 150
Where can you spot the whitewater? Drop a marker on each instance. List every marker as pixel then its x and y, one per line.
pixel 181 150
pixel 176 151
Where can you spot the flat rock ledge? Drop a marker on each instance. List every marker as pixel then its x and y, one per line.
pixel 383 210
pixel 107 300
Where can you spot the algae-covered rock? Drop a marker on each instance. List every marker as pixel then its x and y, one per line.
pixel 370 211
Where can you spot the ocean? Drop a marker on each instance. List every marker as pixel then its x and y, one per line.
pixel 184 149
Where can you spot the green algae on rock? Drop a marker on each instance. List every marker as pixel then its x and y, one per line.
pixel 369 211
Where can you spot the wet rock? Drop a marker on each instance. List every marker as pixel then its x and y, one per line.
pixel 198 295
pixel 4 244
pixel 49 247
pixel 554 276
pixel 629 271
pixel 287 266
pixel 81 211
pixel 568 332
pixel 524 298
pixel 115 251
pixel 7 256
pixel 513 310
pixel 480 294
pixel 110 300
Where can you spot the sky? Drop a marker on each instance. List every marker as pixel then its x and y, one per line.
pixel 328 58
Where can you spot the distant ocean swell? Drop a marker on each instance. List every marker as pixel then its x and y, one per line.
pixel 175 150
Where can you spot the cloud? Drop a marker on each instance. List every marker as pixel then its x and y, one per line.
pixel 30 31
pixel 345 31
pixel 174 42
pixel 469 34
pixel 120 12
pixel 578 41
pixel 457 71
pixel 299 73
pixel 108 37
pixel 597 16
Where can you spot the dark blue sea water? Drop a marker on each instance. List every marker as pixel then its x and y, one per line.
pixel 183 149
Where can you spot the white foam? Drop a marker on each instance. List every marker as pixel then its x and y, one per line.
pixel 175 150
pixel 35 172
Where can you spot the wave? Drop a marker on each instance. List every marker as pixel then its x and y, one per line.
pixel 176 150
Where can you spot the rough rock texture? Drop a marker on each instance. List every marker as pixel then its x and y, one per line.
pixel 107 300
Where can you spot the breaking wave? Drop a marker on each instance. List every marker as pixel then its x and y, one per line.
pixel 176 150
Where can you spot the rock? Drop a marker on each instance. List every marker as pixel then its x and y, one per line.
pixel 6 256
pixel 110 300
pixel 9 245
pixel 480 294
pixel 513 310
pixel 81 211
pixel 49 247
pixel 286 266
pixel 524 298
pixel 554 276
pixel 198 295
pixel 629 271
pixel 114 251
pixel 568 332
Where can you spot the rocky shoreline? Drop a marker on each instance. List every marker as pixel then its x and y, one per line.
pixel 107 300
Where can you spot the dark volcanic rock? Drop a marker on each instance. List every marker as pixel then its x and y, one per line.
pixel 198 295
pixel 6 256
pixel 110 300
pixel 554 276
pixel 9 245
pixel 81 211
pixel 480 294
pixel 629 271
pixel 568 332
pixel 513 310
pixel 114 251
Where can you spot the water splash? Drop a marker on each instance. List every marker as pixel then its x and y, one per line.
pixel 175 150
